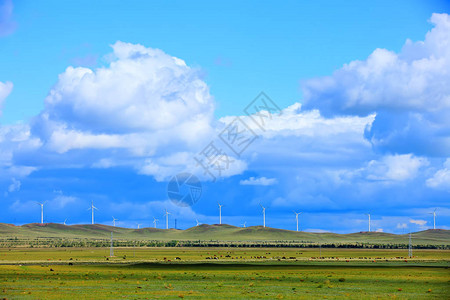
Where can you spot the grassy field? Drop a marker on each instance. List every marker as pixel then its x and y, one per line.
pixel 239 273
pixel 161 254
pixel 49 270
pixel 142 281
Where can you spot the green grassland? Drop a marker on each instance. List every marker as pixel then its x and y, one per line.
pixel 52 271
pixel 148 273
pixel 222 255
pixel 219 282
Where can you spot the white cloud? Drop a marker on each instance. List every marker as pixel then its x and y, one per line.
pixel 14 186
pixel 409 92
pixel 5 90
pixel 61 201
pixel 14 138
pixel 441 179
pixel 259 181
pixel 418 222
pixel 142 109
pixel 143 89
pixel 297 139
pixel 379 230
pixel 149 111
pixel 293 121
pixel 395 167
pixel 85 112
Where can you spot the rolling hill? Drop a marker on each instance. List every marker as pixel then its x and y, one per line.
pixel 215 233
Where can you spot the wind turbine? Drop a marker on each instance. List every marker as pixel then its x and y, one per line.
pixel 167 218
pixel 296 217
pixel 65 221
pixel 264 214
pixel 139 225
pixel 220 212
pixel 92 208
pixel 434 218
pixel 114 221
pixel 155 220
pixel 244 224
pixel 42 210
pixel 369 221
pixel 197 222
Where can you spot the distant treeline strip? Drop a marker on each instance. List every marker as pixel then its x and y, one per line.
pixel 81 243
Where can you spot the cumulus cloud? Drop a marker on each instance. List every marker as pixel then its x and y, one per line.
pixel 305 138
pixel 408 91
pixel 294 120
pixel 395 167
pixel 7 24
pixel 441 179
pixel 61 201
pixel 259 181
pixel 418 222
pixel 15 138
pixel 5 90
pixel 143 108
pixel 148 111
pixel 142 89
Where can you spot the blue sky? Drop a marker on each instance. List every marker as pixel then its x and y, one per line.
pixel 106 101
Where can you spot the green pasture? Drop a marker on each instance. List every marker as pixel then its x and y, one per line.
pixel 182 254
pixel 221 281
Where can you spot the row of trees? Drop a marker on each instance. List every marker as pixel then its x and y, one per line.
pixel 57 243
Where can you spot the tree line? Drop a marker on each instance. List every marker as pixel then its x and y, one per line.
pixel 81 243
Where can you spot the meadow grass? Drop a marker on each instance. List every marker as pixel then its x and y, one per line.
pixel 221 281
pixel 144 273
pixel 140 254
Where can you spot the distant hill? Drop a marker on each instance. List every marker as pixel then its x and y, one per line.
pixel 215 232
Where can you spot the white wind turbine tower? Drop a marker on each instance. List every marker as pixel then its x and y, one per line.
pixel 197 222
pixel 244 224
pixel 167 218
pixel 264 214
pixel 155 220
pixel 92 208
pixel 220 212
pixel 369 221
pixel 65 221
pixel 114 221
pixel 139 225
pixel 42 210
pixel 296 216
pixel 434 218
